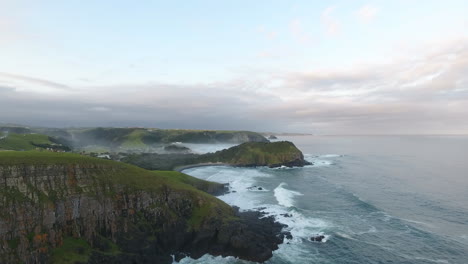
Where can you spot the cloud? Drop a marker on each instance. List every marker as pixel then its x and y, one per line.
pixel 331 24
pixel 425 93
pixel 6 89
pixel 31 83
pixel 367 13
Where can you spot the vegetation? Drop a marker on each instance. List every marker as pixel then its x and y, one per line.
pixel 73 250
pixel 138 138
pixel 13 141
pixel 153 161
pixel 256 153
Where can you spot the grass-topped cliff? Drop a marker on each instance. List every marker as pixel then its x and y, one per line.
pixel 69 208
pixel 271 154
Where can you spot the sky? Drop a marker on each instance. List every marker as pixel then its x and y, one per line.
pixel 321 67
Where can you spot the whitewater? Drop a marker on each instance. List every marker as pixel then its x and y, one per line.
pixel 374 199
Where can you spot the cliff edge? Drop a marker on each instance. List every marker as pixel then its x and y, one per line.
pixel 67 208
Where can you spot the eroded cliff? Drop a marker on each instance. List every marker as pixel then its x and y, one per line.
pixel 65 208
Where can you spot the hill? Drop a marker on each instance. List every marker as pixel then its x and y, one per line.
pixel 135 139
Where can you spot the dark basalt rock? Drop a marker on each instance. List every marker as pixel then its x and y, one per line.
pixel 286 215
pixel 318 238
pixel 252 237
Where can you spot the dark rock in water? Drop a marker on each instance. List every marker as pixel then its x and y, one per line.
pixel 286 215
pixel 318 238
pixel 272 137
pixel 288 236
pixel 260 188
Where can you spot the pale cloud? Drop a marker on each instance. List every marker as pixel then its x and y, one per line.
pixel 331 24
pixel 32 84
pixel 298 31
pixel 367 13
pixel 428 94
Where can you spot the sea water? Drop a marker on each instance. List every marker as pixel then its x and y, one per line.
pixel 376 199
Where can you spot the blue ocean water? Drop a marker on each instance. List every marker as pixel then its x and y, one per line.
pixel 376 199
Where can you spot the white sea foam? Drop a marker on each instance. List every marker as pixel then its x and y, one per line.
pixel 209 259
pixel 321 160
pixel 242 195
pixel 284 196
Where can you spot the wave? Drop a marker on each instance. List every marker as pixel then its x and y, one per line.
pixel 242 183
pixel 284 196
pixel 321 160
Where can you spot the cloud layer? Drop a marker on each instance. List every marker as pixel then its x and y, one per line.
pixel 423 93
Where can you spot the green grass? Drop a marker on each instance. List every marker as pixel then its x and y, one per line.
pixel 23 141
pixel 134 139
pixel 46 158
pixel 73 250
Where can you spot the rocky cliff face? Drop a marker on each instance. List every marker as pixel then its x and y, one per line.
pixel 105 212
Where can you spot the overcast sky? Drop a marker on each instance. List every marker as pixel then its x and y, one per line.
pixel 322 67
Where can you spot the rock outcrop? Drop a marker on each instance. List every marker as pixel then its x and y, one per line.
pixel 67 208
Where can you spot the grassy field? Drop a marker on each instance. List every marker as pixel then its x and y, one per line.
pixel 14 141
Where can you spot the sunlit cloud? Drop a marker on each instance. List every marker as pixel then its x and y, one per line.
pixel 331 24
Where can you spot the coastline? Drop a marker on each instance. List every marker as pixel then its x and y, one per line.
pixel 185 167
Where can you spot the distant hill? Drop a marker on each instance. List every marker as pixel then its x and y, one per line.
pixel 102 139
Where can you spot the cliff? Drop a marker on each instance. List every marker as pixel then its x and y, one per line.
pixel 271 154
pixel 67 208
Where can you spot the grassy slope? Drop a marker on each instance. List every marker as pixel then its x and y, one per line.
pixel 23 141
pixel 134 139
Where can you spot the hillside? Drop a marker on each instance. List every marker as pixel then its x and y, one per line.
pixel 141 137
pixel 137 139
pixel 68 208
pixel 13 141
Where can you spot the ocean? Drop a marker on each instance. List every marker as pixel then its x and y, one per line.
pixel 376 199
